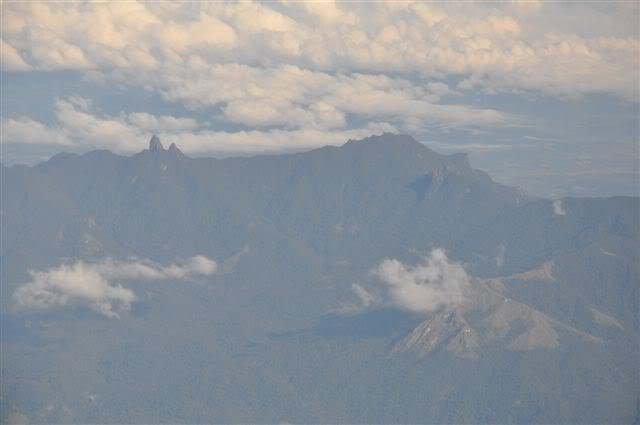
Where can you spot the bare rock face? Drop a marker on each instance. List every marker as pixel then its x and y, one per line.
pixel 543 273
pixel 157 149
pixel 540 333
pixel 533 329
pixel 155 145
pixel 445 329
pixel 497 318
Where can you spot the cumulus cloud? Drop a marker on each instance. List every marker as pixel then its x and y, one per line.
pixel 163 123
pixel 558 209
pixel 78 125
pixel 308 109
pixel 509 47
pixel 291 97
pixel 94 285
pixel 268 80
pixel 436 284
pixel 10 58
pixel 28 131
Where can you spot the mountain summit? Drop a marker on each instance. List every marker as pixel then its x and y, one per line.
pixel 155 145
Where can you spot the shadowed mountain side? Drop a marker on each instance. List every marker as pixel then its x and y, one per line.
pixel 278 333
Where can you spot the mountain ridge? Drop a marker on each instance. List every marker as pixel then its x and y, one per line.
pixel 293 235
pixel 382 140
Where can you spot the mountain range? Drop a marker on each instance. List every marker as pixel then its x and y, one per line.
pixel 374 282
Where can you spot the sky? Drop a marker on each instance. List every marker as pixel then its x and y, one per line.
pixel 544 96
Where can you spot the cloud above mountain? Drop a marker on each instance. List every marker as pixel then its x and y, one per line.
pixel 79 125
pixel 285 108
pixel 523 86
pixel 97 285
pixel 492 48
pixel 435 284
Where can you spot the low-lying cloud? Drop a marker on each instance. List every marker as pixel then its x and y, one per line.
pixel 96 285
pixel 558 209
pixel 436 284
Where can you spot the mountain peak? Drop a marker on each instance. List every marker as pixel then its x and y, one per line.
pixel 155 145
pixel 174 150
pixel 392 142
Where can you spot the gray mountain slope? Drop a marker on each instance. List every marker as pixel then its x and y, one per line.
pixel 268 339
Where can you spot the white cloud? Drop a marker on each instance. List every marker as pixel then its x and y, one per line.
pixel 28 131
pixel 558 49
pixel 93 284
pixel 292 97
pixel 558 208
pixel 472 147
pixel 272 140
pixel 78 125
pixel 10 58
pixel 264 70
pixel 284 108
pixel 437 284
pixel 163 123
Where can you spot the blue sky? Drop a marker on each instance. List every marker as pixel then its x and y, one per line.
pixel 543 96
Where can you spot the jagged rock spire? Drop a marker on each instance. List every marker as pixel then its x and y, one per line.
pixel 155 145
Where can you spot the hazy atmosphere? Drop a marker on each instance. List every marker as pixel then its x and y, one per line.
pixel 319 212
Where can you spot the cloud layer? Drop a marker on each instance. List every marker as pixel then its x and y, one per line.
pixel 94 284
pixel 270 80
pixel 525 86
pixel 436 284
pixel 492 47
pixel 78 124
